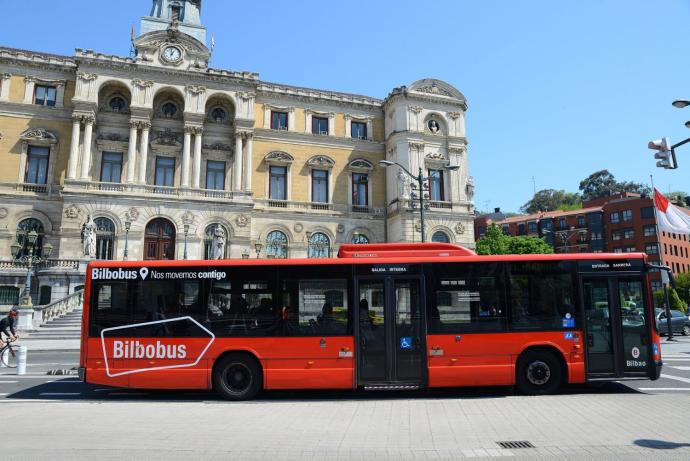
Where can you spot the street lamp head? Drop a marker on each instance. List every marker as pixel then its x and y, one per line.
pixel 47 250
pixel 186 228
pixel 32 237
pixel 15 248
pixel 258 246
pixel 128 226
pixel 680 103
pixel 245 254
pixel 687 124
pixel 386 163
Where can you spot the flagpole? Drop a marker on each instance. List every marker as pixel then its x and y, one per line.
pixel 661 262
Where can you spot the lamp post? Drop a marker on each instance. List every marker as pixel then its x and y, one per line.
pixel 421 179
pixel 31 261
pixel 186 231
pixel 128 226
pixel 245 254
pixel 257 247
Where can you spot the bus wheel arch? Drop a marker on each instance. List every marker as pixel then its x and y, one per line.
pixel 540 370
pixel 237 375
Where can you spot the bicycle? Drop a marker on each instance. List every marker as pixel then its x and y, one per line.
pixel 9 353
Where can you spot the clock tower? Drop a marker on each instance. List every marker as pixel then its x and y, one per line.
pixel 187 13
pixel 173 36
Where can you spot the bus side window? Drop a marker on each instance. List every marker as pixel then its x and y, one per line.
pixel 109 306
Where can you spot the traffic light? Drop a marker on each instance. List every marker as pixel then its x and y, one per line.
pixel 665 154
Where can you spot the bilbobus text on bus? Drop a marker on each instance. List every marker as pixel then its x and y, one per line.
pixel 379 316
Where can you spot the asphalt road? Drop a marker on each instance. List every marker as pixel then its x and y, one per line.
pixel 37 384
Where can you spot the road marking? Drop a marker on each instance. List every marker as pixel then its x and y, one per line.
pixel 679 368
pixel 60 393
pixel 663 388
pixel 66 381
pixel 106 389
pixel 676 356
pixel 665 359
pixel 4 393
pixel 8 382
pixel 677 378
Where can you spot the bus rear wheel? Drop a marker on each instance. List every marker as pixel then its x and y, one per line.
pixel 237 377
pixel 538 372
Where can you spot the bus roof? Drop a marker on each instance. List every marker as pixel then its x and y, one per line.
pixel 383 253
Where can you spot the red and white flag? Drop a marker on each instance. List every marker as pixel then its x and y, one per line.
pixel 669 217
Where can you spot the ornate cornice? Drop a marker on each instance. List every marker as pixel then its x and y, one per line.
pixel 38 134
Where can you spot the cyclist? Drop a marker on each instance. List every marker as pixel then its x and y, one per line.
pixel 7 324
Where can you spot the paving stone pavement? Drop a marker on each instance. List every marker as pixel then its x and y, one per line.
pixel 598 426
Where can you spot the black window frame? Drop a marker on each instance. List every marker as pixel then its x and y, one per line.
pixel 273 173
pixel 361 130
pixel 277 117
pixel 45 101
pixel 108 160
pixel 317 123
pixel 214 173
pixel 42 161
pixel 165 169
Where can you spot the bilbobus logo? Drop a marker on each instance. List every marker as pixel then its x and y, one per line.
pixel 136 350
pixel 105 273
pixel 122 349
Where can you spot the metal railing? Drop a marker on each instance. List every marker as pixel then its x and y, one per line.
pixel 43 314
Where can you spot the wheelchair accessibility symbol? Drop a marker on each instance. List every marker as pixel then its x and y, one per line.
pixel 405 342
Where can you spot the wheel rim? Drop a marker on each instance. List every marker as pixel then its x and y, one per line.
pixel 686 330
pixel 237 378
pixel 538 373
pixel 9 357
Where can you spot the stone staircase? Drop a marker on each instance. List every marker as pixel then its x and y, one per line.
pixel 66 326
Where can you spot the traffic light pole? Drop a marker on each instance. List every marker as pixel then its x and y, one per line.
pixel 673 151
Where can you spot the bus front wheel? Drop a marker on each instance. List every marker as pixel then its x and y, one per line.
pixel 538 372
pixel 237 377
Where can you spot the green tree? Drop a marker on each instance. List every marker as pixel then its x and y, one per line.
pixel 602 184
pixel 528 245
pixel 676 303
pixel 550 200
pixel 683 287
pixel 495 242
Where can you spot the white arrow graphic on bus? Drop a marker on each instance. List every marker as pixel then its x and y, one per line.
pixel 212 338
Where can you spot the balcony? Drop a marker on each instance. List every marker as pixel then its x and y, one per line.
pixel 147 190
pixel 30 189
pixel 316 207
pixel 440 205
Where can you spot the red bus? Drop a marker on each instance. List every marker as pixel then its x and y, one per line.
pixel 388 316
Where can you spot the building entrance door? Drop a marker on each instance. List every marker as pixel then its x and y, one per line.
pixel 159 240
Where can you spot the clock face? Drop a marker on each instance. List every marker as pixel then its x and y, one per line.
pixel 171 53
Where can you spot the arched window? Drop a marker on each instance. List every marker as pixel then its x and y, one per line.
pixel 25 226
pixel 105 235
pixel 117 104
pixel 440 237
pixel 218 115
pixel 319 246
pixel 221 238
pixel 276 245
pixel 360 238
pixel 169 110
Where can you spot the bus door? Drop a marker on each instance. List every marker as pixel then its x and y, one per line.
pixel 390 333
pixel 617 334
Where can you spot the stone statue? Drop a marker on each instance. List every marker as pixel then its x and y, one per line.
pixel 88 237
pixel 404 187
pixel 218 243
pixel 433 126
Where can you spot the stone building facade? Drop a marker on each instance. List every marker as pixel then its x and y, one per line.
pixel 173 159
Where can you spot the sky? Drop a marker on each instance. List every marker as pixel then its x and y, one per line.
pixel 556 89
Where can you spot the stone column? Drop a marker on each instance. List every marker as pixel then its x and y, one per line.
pixel 197 157
pixel 237 167
pixel 144 151
pixel 86 151
pixel 74 148
pixel 185 155
pixel 131 151
pixel 247 162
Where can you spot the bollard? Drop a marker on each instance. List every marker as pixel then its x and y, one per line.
pixel 21 360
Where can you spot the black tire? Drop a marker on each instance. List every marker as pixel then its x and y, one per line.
pixel 538 372
pixel 237 377
pixel 9 355
pixel 686 330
